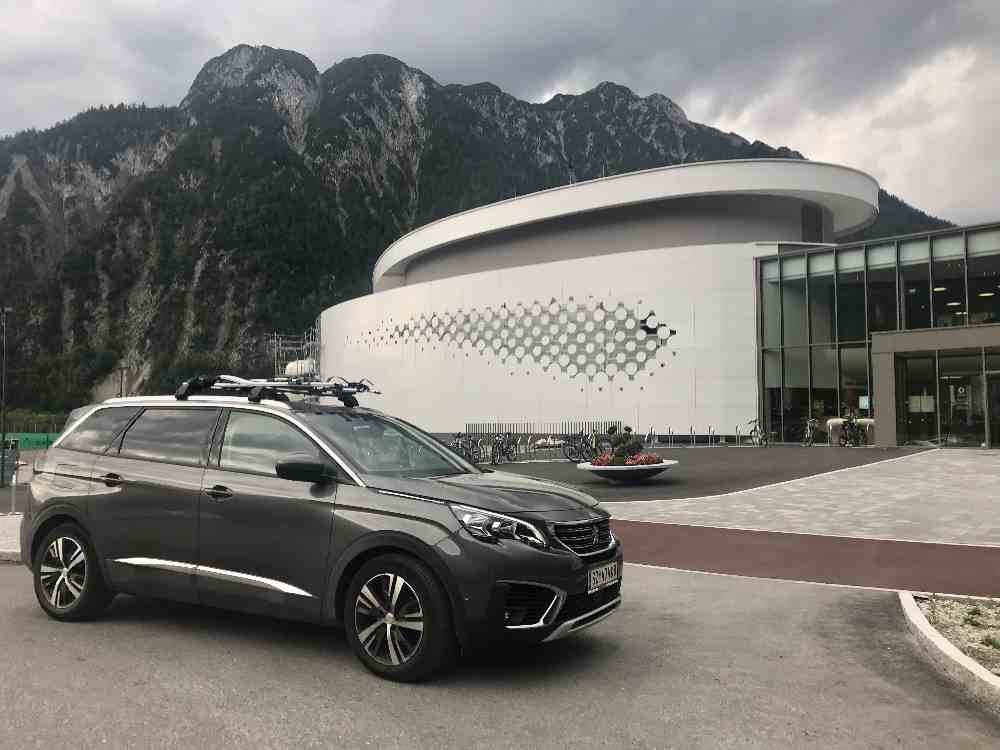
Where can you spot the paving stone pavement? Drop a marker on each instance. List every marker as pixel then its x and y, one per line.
pixel 947 495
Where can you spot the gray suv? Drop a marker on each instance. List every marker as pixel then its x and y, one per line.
pixel 324 513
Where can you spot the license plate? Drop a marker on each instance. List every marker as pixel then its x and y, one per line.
pixel 602 576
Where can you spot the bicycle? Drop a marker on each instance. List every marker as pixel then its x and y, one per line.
pixel 756 434
pixel 808 432
pixel 586 447
pixel 469 449
pixel 503 448
pixel 851 433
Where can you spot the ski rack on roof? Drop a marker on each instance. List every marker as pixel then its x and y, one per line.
pixel 256 390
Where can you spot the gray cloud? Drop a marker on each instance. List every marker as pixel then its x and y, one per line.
pixel 872 83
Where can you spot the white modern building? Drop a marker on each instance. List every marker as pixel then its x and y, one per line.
pixel 634 297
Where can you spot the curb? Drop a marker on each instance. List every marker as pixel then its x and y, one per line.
pixel 972 678
pixel 9 557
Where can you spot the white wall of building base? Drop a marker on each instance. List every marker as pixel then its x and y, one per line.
pixel 445 372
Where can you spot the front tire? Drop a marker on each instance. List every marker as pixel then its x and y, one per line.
pixel 398 621
pixel 69 584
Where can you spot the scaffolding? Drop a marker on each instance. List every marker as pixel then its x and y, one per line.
pixel 295 355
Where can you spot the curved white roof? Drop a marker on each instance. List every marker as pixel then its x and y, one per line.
pixel 850 195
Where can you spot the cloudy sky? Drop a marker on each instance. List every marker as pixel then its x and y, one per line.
pixel 907 90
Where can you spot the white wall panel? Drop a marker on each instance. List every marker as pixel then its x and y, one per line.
pixel 441 380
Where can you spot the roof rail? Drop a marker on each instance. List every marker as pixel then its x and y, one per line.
pixel 256 390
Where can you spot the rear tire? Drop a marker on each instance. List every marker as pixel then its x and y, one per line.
pixel 69 584
pixel 398 620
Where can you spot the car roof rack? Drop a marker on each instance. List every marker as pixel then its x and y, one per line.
pixel 256 390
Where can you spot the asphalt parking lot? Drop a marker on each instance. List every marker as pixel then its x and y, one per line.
pixel 690 661
pixel 713 471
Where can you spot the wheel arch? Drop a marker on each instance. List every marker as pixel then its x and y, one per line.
pixel 52 519
pixel 387 543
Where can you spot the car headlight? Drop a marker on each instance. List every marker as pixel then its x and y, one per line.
pixel 492 527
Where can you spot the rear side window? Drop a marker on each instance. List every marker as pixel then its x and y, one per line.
pixel 178 436
pixel 99 429
pixel 255 443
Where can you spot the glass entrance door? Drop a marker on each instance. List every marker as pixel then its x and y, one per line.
pixel 917 407
pixel 993 404
pixel 963 400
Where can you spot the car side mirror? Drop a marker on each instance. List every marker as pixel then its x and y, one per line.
pixel 306 469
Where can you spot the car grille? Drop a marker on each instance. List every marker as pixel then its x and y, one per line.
pixel 585 538
pixel 526 604
pixel 581 604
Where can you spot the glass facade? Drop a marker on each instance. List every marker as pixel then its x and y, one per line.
pixel 819 307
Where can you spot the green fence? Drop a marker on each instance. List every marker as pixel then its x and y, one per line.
pixel 30 441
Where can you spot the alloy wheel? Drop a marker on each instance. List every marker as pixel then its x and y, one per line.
pixel 63 572
pixel 388 619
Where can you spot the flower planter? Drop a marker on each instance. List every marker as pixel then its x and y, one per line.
pixel 635 473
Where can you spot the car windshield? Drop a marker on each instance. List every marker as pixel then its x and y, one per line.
pixel 387 447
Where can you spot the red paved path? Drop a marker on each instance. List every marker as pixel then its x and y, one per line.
pixel 913 566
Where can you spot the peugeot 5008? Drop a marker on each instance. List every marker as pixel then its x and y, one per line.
pixel 324 513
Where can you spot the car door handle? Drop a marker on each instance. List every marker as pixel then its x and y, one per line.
pixel 218 492
pixel 112 480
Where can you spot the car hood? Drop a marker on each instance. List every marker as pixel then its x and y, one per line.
pixel 496 490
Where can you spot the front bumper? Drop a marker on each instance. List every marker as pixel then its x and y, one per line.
pixel 584 621
pixel 485 575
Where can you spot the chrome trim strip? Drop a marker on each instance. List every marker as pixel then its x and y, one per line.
pixel 411 497
pixel 570 626
pixel 267 583
pixel 209 572
pixel 550 613
pixel 152 562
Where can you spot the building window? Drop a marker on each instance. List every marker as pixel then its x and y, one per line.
pixel 984 277
pixel 914 283
pixel 854 394
pixel 793 302
pixel 770 301
pixel 851 295
pixel 882 288
pixel 948 277
pixel 772 392
pixel 795 403
pixel 824 385
pixel 822 298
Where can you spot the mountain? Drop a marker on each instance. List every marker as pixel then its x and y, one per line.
pixel 161 241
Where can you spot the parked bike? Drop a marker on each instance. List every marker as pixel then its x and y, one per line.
pixel 851 433
pixel 504 448
pixel 586 446
pixel 756 434
pixel 809 426
pixel 467 447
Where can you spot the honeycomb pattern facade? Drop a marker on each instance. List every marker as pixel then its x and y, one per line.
pixel 578 338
